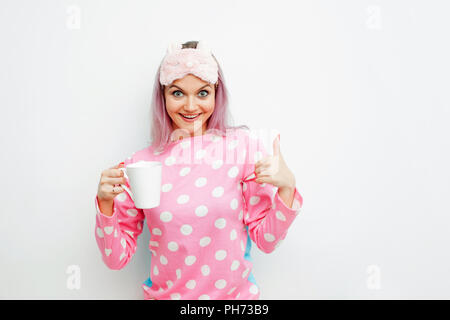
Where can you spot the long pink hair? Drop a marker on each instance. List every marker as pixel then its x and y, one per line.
pixel 161 123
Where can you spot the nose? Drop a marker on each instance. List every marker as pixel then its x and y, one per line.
pixel 190 106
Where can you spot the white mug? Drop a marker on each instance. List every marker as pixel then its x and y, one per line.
pixel 144 178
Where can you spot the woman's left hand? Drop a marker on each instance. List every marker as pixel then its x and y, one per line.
pixel 273 169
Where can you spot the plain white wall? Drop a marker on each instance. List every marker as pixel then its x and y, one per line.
pixel 358 90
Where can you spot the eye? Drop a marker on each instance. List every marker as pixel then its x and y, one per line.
pixel 204 94
pixel 174 93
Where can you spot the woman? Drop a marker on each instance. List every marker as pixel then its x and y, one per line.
pixel 220 190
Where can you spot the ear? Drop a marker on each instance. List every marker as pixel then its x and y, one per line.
pixel 203 46
pixel 173 46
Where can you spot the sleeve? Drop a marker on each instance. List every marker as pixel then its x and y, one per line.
pixel 266 215
pixel 117 235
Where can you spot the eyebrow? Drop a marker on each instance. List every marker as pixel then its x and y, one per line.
pixel 173 85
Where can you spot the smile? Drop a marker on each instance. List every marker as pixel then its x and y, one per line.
pixel 190 117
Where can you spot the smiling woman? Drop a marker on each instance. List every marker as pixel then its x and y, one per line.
pixel 176 99
pixel 211 207
pixel 190 102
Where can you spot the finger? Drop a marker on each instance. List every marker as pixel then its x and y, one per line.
pixel 262 180
pixel 276 146
pixel 114 173
pixel 114 181
pixel 260 168
pixel 116 189
pixel 263 173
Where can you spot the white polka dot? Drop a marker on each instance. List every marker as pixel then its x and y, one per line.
pixel 191 284
pixel 216 138
pixel 221 254
pixel 169 284
pixel 122 196
pixel 154 243
pixel 220 284
pixel 217 164
pixel 204 297
pixel 233 234
pixel 109 229
pixel 205 241
pixel 172 245
pixel 163 259
pixel 156 231
pixel 205 270
pixel 185 171
pixel 170 161
pixel 185 144
pixel 233 172
pixel 132 212
pixel 218 192
pixel 241 215
pixel 166 187
pixel 186 229
pixel 201 211
pixel 234 204
pixel 190 260
pixel 100 233
pixel 175 296
pixel 233 144
pixel 269 237
pixel 184 198
pixel 234 265
pixel 123 242
pixel 242 245
pixel 200 182
pixel 108 252
pixel 254 200
pixel 165 216
pixel 155 270
pixel 280 216
pixel 220 223
pixel 200 154
pixel 253 289
pixel 244 186
pixel 178 273
pixel 245 273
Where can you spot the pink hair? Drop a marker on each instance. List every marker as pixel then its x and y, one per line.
pixel 162 124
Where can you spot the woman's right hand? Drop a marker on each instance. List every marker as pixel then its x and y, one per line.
pixel 109 185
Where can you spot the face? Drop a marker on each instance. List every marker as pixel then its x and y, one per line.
pixel 190 95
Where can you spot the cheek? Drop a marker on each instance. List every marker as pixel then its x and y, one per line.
pixel 172 105
pixel 208 105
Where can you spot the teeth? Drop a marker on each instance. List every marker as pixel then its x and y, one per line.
pixel 190 117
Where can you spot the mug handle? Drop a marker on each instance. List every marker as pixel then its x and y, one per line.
pixel 124 186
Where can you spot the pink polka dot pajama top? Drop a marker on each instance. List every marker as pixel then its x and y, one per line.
pixel 210 210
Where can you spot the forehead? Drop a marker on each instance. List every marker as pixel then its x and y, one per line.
pixel 189 81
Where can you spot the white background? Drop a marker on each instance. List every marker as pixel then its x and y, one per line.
pixel 358 89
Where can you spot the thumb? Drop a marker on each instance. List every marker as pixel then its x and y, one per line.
pixel 276 146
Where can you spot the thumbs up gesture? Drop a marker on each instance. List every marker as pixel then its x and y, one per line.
pixel 273 169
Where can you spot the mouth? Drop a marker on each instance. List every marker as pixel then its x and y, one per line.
pixel 190 117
